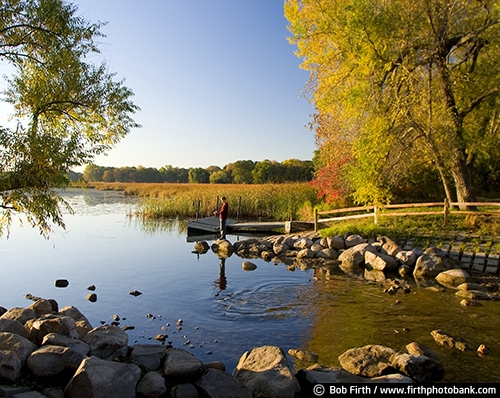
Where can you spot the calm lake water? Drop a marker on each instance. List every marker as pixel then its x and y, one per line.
pixel 104 247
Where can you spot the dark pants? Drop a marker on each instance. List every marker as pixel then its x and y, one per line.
pixel 223 228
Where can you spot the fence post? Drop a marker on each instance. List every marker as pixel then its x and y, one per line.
pixel 445 211
pixel 375 215
pixel 315 219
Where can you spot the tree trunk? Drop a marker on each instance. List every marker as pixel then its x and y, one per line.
pixel 463 182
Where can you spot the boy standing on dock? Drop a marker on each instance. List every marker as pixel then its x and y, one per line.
pixel 222 213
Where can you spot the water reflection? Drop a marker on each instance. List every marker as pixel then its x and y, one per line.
pixel 221 283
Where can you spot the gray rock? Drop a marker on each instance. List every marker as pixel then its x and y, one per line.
pixel 392 378
pixel 148 356
pixel 353 240
pixel 218 384
pixel 22 315
pixel 453 277
pixel 184 390
pixel 64 341
pixel 329 254
pixel 98 378
pixel 323 375
pixel 41 307
pixel 51 360
pixel 302 355
pixel 353 259
pixel 305 253
pixel 380 261
pixel 182 366
pixel 19 345
pixel 280 248
pixel 420 368
pixel 368 361
pixel 430 265
pixel 303 243
pixel 10 365
pixel 420 349
pixel 83 326
pixel 12 326
pixel 248 266
pixel 265 371
pixel 61 283
pixel 152 385
pixel 444 338
pixel 53 323
pixel 105 340
pixel 336 242
pixel 389 246
pixel 406 257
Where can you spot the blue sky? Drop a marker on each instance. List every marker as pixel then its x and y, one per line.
pixel 216 81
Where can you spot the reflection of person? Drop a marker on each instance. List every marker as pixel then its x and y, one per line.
pixel 222 213
pixel 222 281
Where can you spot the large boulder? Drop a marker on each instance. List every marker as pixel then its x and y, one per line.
pixel 63 325
pixel 336 242
pixel 406 257
pixel 453 277
pixel 265 371
pixel 431 263
pixel 389 246
pixel 352 260
pixel 19 314
pixel 152 385
pixel 98 378
pixel 41 307
pixel 182 366
pixel 19 345
pixel 415 348
pixel 64 341
pixel 380 261
pixel 148 356
pixel 75 313
pixel 105 340
pixel 10 365
pixel 303 243
pixel 51 360
pixel 353 240
pixel 218 384
pixel 12 326
pixel 420 368
pixel 368 361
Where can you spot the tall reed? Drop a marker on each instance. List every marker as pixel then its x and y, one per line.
pixel 278 202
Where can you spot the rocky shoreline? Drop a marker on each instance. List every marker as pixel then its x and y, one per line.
pixel 50 352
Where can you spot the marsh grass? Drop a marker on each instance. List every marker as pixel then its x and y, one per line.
pixel 280 202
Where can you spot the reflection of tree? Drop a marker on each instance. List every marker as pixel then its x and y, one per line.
pixel 151 227
pixel 222 281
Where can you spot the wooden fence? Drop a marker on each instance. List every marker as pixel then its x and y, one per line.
pixel 380 211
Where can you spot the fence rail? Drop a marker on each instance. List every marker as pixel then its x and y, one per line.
pixel 379 211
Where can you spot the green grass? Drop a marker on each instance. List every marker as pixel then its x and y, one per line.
pixel 411 226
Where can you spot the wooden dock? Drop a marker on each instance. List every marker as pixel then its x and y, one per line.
pixel 211 224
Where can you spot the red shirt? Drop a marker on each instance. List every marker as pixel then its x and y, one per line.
pixel 223 210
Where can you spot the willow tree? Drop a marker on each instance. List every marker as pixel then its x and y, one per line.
pixel 406 81
pixel 68 109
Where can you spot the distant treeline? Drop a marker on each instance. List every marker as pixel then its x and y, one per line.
pixel 240 172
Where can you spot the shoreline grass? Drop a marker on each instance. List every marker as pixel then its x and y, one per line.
pixel 278 202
